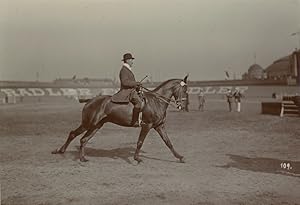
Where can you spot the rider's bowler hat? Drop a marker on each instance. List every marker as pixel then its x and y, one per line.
pixel 127 56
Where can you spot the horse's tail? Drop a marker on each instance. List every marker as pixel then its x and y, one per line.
pixel 84 100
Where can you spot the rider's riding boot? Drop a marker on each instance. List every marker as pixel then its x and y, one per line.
pixel 135 117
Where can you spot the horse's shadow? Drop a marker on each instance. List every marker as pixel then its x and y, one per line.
pixel 266 165
pixel 123 153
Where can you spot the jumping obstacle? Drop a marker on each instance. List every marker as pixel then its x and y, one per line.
pixel 290 105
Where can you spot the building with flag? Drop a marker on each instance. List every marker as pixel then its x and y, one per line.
pixel 254 72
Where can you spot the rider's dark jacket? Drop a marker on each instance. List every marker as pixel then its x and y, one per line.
pixel 128 85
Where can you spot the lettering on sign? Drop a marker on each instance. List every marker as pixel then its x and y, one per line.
pixel 53 93
pixel 17 92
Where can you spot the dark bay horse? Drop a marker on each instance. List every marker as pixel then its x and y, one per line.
pixel 100 110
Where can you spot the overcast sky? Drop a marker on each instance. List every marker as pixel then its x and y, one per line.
pixel 168 38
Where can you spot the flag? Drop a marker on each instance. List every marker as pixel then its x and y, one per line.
pixel 227 75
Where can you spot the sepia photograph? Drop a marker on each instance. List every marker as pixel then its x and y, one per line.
pixel 135 102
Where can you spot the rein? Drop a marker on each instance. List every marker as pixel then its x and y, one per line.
pixel 166 100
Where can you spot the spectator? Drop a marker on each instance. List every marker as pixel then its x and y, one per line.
pixel 186 102
pixel 237 98
pixel 201 99
pixel 229 97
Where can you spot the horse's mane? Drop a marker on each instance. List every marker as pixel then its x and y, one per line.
pixel 163 84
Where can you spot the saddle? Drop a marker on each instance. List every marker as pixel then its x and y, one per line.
pixel 118 98
pixel 139 94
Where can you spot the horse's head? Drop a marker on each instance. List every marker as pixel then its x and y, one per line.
pixel 180 92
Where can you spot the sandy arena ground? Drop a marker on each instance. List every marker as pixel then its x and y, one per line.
pixel 231 158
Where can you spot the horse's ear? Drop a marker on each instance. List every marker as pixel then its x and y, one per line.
pixel 185 78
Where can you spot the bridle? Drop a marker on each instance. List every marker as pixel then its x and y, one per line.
pixel 178 102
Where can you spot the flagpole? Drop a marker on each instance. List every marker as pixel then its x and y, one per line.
pixel 298 35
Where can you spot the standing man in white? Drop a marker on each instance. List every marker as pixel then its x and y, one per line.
pixel 237 97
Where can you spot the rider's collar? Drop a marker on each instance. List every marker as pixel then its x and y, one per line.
pixel 127 65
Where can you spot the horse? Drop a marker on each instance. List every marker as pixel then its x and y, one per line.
pixel 100 110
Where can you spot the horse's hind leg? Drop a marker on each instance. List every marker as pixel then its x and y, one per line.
pixel 72 136
pixel 163 134
pixel 84 140
pixel 87 136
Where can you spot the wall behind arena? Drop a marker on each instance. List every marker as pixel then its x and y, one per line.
pixel 36 94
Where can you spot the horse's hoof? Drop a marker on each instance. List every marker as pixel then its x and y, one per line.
pixel 57 151
pixel 138 160
pixel 83 159
pixel 181 160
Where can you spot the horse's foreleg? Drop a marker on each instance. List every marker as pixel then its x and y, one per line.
pixel 144 131
pixel 71 137
pixel 163 134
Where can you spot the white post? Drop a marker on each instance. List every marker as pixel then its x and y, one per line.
pixel 282 110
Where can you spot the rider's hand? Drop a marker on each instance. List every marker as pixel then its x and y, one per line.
pixel 138 84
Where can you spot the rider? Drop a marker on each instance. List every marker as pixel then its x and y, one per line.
pixel 128 87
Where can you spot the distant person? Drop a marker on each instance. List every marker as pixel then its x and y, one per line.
pixel 237 98
pixel 229 96
pixel 201 100
pixel 274 95
pixel 6 98
pixel 186 102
